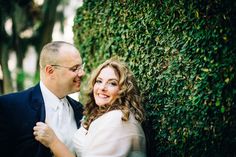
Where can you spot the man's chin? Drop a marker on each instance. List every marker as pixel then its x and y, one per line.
pixel 76 91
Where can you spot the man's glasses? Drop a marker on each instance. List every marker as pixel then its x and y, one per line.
pixel 77 68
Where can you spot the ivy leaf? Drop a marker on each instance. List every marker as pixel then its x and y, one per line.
pixel 218 102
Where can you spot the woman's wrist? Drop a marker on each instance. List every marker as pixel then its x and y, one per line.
pixel 54 143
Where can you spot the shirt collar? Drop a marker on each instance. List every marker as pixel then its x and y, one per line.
pixel 50 99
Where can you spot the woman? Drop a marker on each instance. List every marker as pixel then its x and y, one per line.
pixel 113 114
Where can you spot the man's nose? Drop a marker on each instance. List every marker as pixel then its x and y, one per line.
pixel 81 73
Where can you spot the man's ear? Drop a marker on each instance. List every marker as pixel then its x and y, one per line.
pixel 49 69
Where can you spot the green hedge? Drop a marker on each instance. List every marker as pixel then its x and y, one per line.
pixel 183 55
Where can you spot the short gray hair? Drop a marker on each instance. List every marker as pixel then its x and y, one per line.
pixel 50 52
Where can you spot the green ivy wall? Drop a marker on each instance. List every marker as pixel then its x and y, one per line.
pixel 183 56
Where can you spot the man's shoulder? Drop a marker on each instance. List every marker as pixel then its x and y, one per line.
pixel 72 100
pixel 19 94
pixel 74 103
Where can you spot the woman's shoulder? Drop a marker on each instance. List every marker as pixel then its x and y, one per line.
pixel 113 116
pixel 107 120
pixel 114 113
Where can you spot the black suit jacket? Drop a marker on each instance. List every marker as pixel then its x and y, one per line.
pixel 19 113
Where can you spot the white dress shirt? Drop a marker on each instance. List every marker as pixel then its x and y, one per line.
pixel 59 116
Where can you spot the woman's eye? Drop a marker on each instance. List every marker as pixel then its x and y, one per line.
pixel 98 81
pixel 113 83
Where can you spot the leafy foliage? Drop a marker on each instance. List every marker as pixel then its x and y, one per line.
pixel 183 55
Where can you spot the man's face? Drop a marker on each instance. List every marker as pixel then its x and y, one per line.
pixel 68 72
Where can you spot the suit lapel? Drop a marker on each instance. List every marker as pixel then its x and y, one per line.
pixel 37 103
pixel 78 110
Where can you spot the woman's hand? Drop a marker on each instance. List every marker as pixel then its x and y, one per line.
pixel 44 134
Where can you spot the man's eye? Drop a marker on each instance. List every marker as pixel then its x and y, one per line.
pixel 73 69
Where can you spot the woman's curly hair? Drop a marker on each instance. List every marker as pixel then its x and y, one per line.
pixel 128 100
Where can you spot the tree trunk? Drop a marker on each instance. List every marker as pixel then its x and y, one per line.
pixel 45 32
pixel 7 80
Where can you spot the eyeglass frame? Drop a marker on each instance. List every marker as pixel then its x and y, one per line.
pixel 77 67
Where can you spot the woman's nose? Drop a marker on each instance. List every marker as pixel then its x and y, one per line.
pixel 103 86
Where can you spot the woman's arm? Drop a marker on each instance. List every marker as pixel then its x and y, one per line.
pixel 45 135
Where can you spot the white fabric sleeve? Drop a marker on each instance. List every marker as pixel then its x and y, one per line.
pixel 109 136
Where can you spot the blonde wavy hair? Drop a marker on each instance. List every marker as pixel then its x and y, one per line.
pixel 128 100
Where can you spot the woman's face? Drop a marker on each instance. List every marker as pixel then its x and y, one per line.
pixel 106 86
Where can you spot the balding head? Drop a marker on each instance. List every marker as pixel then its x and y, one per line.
pixel 51 52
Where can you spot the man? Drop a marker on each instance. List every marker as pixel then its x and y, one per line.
pixel 61 71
